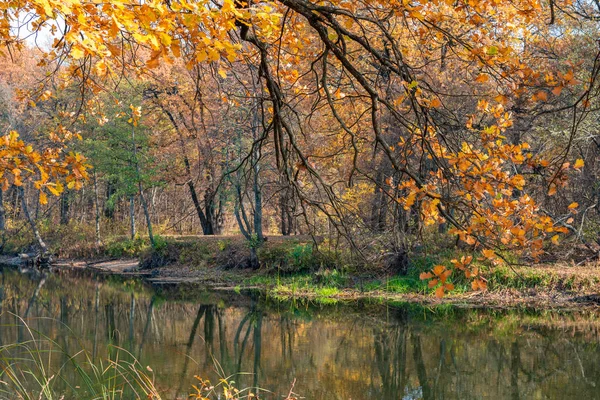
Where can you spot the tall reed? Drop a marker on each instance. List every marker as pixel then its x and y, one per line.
pixel 36 367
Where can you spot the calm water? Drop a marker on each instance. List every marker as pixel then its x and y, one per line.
pixel 366 351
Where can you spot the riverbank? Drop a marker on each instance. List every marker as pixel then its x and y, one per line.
pixel 291 268
pixel 557 286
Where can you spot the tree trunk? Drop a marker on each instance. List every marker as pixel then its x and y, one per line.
pixel 16 198
pixel 285 231
pixel 147 215
pixel 37 206
pixel 208 220
pixel 254 263
pixel 109 207
pixel 132 216
pixel 240 217
pixel 286 207
pixel 2 213
pixel 97 210
pixel 2 221
pixel 140 189
pixel 218 225
pixel 379 205
pixel 257 198
pixel 207 226
pixel 65 205
pixel 34 229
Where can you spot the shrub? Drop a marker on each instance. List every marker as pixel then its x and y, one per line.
pixel 127 247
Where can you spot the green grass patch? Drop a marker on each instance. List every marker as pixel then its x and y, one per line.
pixel 327 292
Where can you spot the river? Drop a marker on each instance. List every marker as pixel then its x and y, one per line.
pixel 365 350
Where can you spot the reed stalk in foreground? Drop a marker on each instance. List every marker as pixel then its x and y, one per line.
pixel 37 367
pixel 30 370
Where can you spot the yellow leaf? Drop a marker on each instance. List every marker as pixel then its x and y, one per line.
pixel 77 52
pixel 482 78
pixel 425 275
pixel 540 96
pixel 501 99
pixel 213 54
pixel 489 254
pixel 153 62
pixel 557 90
pixel 201 56
pixel 438 269
pixel 176 49
pixel 53 190
pixel 416 14
pixel 555 239
pixel 478 284
pixel 579 164
pixel 439 292
pixel 114 49
pixel 223 73
pixel 46 95
pixel 573 207
pixel 552 190
pixel 43 198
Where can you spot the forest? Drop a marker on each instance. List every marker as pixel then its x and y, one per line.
pixel 358 199
pixel 373 129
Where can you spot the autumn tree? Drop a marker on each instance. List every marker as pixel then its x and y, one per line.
pixel 35 146
pixel 178 99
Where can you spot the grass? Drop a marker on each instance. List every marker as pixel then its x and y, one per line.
pixel 327 292
pixel 324 286
pixel 332 283
pixel 560 277
pixel 29 373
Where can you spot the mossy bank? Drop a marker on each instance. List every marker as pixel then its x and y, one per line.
pixel 294 267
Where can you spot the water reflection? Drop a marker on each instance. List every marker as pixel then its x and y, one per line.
pixel 333 352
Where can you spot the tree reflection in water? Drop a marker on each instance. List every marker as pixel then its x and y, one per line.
pixel 333 352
